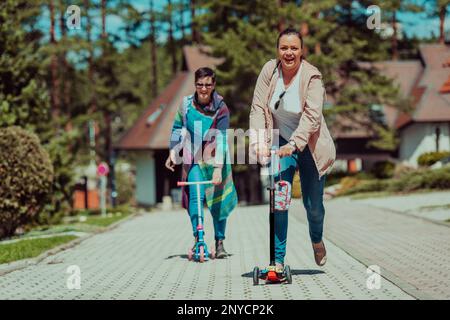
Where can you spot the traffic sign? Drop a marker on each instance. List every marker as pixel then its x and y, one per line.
pixel 102 169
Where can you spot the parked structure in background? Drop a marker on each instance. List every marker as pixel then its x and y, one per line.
pixel 425 129
pixel 427 81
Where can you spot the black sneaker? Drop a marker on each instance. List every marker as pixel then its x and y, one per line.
pixel 220 250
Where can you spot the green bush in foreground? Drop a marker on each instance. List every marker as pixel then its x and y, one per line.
pixel 383 169
pixel 430 158
pixel 26 175
pixel 420 179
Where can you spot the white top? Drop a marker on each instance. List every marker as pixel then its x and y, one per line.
pixel 287 116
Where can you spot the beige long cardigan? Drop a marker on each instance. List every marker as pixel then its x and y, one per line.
pixel 312 129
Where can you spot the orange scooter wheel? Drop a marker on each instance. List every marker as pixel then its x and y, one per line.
pixel 272 276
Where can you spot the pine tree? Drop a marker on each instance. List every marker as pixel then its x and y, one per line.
pixel 336 40
pixel 24 99
pixel 438 8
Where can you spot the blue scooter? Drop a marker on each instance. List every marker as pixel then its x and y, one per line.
pixel 200 251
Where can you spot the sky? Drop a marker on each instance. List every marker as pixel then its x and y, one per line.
pixel 413 24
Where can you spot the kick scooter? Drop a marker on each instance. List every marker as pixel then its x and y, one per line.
pixel 200 251
pixel 271 274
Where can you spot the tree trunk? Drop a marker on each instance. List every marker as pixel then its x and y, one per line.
pixel 92 103
pixel 153 56
pixel 281 22
pixel 317 47
pixel 182 27
pixel 55 99
pixel 394 37
pixel 172 48
pixel 194 30
pixel 348 7
pixel 106 111
pixel 103 19
pixel 441 24
pixel 65 67
pixel 304 31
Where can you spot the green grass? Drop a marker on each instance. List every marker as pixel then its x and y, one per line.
pixel 104 221
pixel 60 228
pixel 30 248
pixel 92 224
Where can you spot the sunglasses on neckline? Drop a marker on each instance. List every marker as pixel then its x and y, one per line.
pixel 277 104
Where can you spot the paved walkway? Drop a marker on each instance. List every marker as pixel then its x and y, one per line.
pixel 145 258
pixel 412 252
pixel 428 205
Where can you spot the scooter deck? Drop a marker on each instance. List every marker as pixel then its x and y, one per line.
pixel 270 275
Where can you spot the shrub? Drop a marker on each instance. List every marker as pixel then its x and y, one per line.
pixel 26 175
pixel 412 181
pixel 125 187
pixel 383 169
pixel 402 169
pixel 348 183
pixel 335 177
pixel 422 179
pixel 369 186
pixel 429 158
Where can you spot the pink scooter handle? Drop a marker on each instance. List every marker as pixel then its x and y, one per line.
pixel 186 183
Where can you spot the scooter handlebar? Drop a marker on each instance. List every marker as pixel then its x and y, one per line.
pixel 187 183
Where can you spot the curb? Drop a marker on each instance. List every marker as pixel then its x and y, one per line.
pixel 21 264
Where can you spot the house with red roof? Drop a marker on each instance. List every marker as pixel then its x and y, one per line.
pixel 148 138
pixel 425 128
pixel 427 82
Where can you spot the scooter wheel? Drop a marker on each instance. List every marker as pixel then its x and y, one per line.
pixel 288 274
pixel 255 276
pixel 190 254
pixel 212 254
pixel 202 254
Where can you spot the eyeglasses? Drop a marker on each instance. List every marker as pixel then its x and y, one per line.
pixel 277 104
pixel 206 85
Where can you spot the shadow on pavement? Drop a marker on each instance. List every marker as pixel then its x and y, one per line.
pixel 185 256
pixel 182 256
pixel 294 272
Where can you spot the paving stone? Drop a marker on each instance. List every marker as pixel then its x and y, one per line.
pixel 412 253
pixel 145 258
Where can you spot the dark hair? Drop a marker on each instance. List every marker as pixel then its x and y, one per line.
pixel 205 72
pixel 288 31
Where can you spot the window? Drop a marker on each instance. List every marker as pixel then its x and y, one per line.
pixel 152 118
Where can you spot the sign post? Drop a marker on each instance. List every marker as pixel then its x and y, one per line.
pixel 102 171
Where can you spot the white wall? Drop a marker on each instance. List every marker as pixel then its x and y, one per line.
pixel 419 138
pixel 145 179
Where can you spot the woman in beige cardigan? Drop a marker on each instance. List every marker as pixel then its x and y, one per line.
pixel 288 97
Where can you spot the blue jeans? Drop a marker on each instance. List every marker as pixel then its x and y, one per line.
pixel 195 174
pixel 312 194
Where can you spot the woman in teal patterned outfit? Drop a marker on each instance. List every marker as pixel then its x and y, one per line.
pixel 200 126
